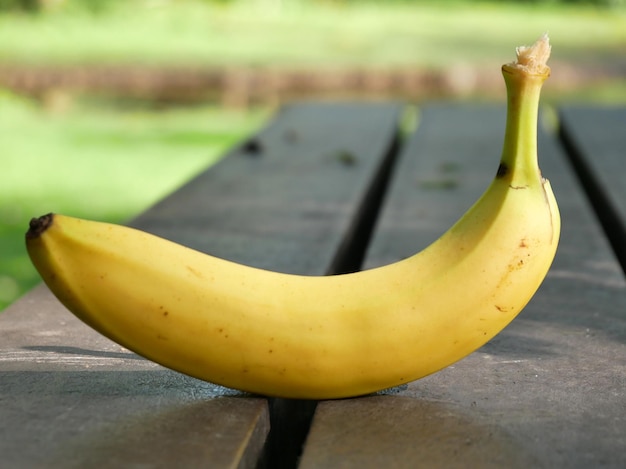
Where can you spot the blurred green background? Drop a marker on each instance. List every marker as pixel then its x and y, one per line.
pixel 108 105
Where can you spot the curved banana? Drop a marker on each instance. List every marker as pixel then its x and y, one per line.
pixel 321 337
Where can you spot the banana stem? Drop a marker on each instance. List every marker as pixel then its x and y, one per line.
pixel 523 80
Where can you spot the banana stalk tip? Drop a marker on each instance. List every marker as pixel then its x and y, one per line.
pixel 533 59
pixel 37 226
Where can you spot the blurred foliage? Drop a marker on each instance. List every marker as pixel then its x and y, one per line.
pixel 23 5
pixel 328 33
pixel 96 6
pixel 601 3
pixel 35 6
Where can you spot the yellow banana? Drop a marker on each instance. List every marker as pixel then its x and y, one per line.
pixel 321 337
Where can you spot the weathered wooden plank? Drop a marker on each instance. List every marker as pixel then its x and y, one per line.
pixel 404 432
pixel 289 199
pixel 549 391
pixel 442 170
pixel 598 135
pixel 71 398
pixel 594 139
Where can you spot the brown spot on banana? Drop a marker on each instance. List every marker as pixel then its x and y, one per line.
pixel 195 272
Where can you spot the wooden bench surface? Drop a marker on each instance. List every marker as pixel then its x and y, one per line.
pixel 334 187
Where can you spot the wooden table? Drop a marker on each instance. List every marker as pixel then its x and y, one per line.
pixel 335 187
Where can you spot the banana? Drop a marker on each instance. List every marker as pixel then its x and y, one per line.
pixel 321 337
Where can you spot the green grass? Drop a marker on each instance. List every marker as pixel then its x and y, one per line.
pixel 308 33
pixel 100 163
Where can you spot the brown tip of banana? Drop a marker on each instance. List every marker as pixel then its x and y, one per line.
pixel 38 226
